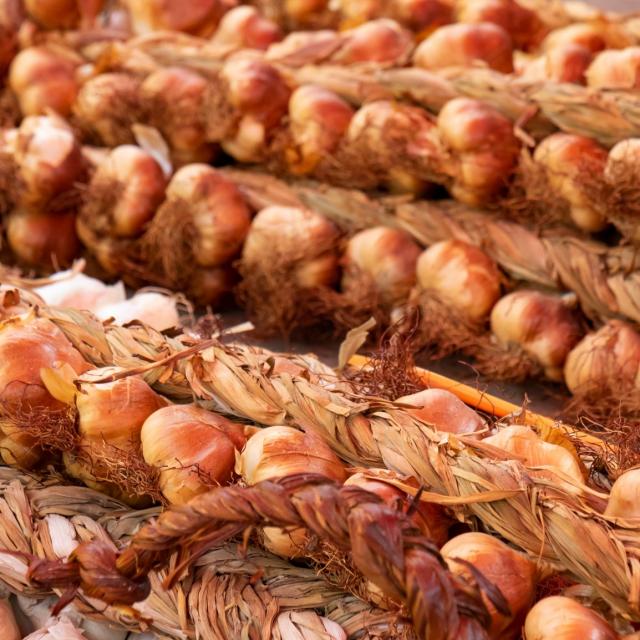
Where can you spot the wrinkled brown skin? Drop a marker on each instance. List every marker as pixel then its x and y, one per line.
pixel 383 543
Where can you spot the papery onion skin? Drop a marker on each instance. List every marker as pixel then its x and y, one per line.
pixel 462 275
pixel 462 45
pixel 561 618
pixel 543 325
pixel 217 210
pixel 505 568
pixel 41 239
pixel 444 410
pixel 624 497
pixel 385 256
pixel 194 449
pixel 43 79
pixel 605 360
pixel 615 70
pixel 26 347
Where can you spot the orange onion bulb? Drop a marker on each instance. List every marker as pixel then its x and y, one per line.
pixel 523 25
pixel 107 106
pixel 463 45
pixel 444 411
pixel 544 326
pixel 44 78
pixel 318 120
pixel 174 99
pixel 379 41
pixel 511 572
pixel 133 184
pixel 305 241
pixel 565 63
pixel 48 159
pixel 462 276
pixel 421 16
pixel 615 69
pixel 194 449
pixel 386 259
pixel 53 14
pixel 561 618
pixel 260 95
pixel 216 209
pixel 484 148
pixel 569 163
pixel 594 35
pixel 624 497
pixel 245 28
pixel 305 12
pixel 198 17
pixel 28 345
pixel 605 361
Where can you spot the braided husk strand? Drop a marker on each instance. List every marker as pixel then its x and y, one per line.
pixel 41 517
pixel 383 545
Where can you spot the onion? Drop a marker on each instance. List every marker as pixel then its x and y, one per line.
pixel 107 106
pixel 53 14
pixel 485 149
pixel 244 28
pixel 462 45
pixel 462 276
pixel 43 78
pixel 560 618
pixel 595 36
pixel 615 70
pixel 571 163
pixel 624 498
pixel 542 325
pixel 509 571
pixel 304 12
pixel 384 258
pixel 380 41
pixel 211 286
pixel 444 411
pixel 43 240
pixel 565 63
pixel 11 17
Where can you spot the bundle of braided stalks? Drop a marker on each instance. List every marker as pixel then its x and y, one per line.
pixel 548 513
pixel 226 595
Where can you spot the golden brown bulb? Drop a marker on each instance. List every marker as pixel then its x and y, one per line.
pixel 543 325
pixel 194 449
pixel 384 258
pixel 461 275
pixel 509 571
pixel 615 70
pixel 624 497
pixel 380 41
pixel 565 63
pixel 595 35
pixel 465 45
pixel 245 28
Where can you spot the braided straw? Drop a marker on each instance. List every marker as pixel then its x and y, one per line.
pixel 228 595
pixel 549 516
pixel 382 542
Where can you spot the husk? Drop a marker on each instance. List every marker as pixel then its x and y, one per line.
pixel 40 516
pixel 622 201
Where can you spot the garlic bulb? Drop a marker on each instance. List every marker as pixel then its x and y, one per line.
pixel 107 106
pixel 245 28
pixel 444 411
pixel 523 443
pixel 304 241
pixel 157 310
pixel 42 239
pixel 318 120
pixel 566 63
pixel 174 99
pixel 463 45
pixel 615 69
pixel 560 618
pixel 542 325
pixel 431 519
pixel 523 24
pixel 624 498
pixel 48 159
pixel 385 258
pixel 277 452
pixel 260 95
pixel 216 210
pixel 569 162
pixel 198 17
pixel 9 629
pixel 125 191
pixel 306 625
pixel 484 147
pixel 605 361
pixel 78 291
pixel 44 79
pixel 57 629
pixel 27 345
pixel 462 276
pixel 380 41
pixel 512 573
pixel 193 449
